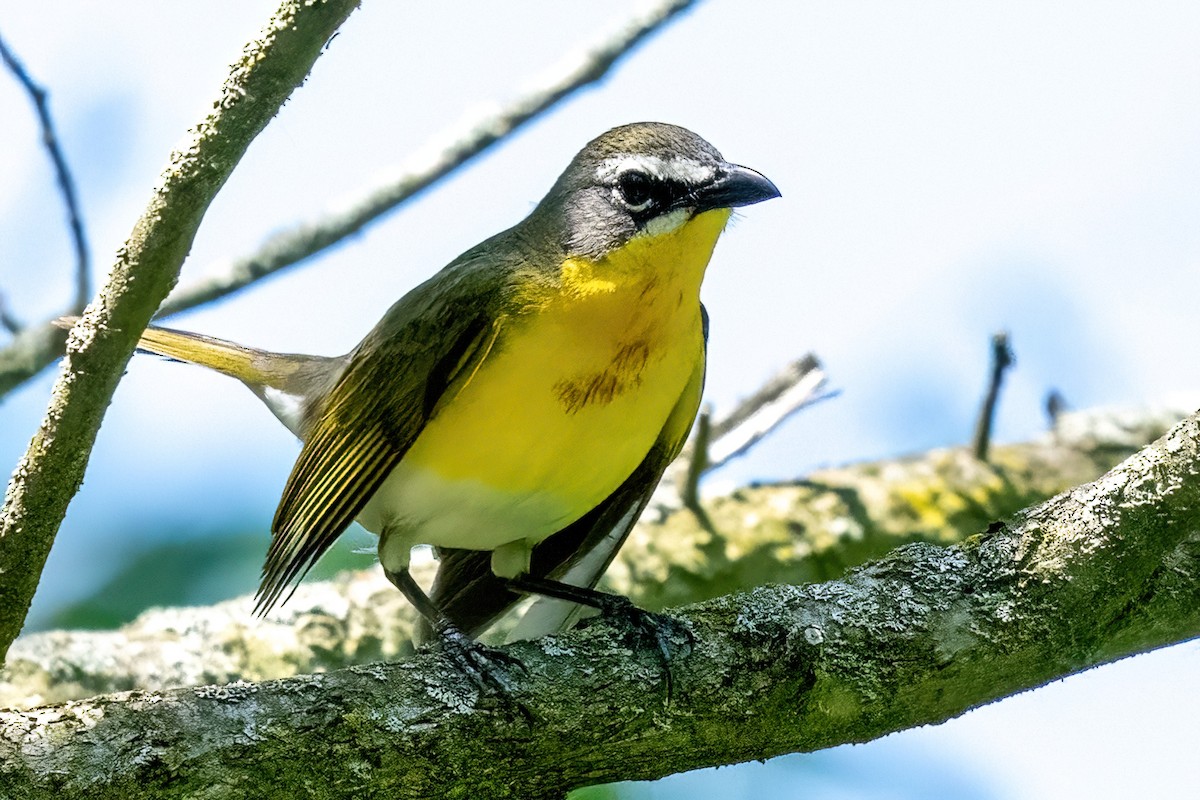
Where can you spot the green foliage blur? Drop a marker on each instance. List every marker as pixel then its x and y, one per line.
pixel 193 571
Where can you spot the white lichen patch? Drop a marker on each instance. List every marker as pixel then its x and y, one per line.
pixel 551 646
pixel 1005 611
pixel 455 702
pixel 228 693
pixel 953 634
pixel 375 671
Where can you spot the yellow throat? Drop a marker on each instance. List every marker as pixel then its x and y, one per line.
pixel 573 392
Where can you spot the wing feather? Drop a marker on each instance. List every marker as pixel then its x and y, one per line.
pixel 369 420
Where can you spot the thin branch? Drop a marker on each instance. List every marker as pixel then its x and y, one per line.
pixel 147 266
pixel 1055 406
pixel 31 350
pixel 695 466
pixel 7 319
pixel 25 356
pixel 696 461
pixel 1098 573
pixel 66 184
pixel 796 386
pixel 432 163
pixel 1002 359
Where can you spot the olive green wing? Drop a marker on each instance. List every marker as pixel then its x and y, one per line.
pixel 473 597
pixel 352 441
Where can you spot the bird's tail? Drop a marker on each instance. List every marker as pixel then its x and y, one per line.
pixel 253 367
pixel 256 368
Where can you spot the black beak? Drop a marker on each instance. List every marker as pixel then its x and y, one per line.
pixel 735 186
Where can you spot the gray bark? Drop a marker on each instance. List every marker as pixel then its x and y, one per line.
pixel 796 532
pixel 1099 572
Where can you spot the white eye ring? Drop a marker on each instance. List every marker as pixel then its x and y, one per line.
pixel 642 206
pixel 623 186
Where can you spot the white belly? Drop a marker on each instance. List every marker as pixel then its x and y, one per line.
pixel 419 507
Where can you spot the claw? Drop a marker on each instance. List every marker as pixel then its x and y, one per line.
pixel 664 630
pixel 619 609
pixel 489 669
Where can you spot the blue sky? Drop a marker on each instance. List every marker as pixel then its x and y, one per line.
pixel 947 169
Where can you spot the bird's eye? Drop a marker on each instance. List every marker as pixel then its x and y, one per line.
pixel 635 189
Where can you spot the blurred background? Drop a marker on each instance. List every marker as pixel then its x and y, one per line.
pixel 948 170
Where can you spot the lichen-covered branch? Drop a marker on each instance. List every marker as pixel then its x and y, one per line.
pixel 1105 570
pixel 145 270
pixel 357 618
pixel 815 528
pixel 799 532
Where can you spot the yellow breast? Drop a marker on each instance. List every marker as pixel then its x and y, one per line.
pixel 577 385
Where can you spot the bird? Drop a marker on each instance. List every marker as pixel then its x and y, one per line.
pixel 517 409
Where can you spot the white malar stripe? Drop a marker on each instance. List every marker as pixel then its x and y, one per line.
pixel 683 170
pixel 666 223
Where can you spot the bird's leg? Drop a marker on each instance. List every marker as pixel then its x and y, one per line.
pixel 660 627
pixel 486 667
pixel 605 602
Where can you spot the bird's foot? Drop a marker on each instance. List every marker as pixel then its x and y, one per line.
pixel 489 669
pixel 668 634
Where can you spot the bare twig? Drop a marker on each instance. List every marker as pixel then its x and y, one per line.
pixel 696 463
pixel 28 355
pixel 7 320
pixel 1002 359
pixel 31 350
pixel 1055 405
pixel 147 265
pixel 66 185
pixel 429 165
pixel 796 386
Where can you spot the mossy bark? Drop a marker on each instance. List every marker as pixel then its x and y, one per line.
pixel 1099 572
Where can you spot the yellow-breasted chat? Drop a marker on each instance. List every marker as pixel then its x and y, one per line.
pixel 516 410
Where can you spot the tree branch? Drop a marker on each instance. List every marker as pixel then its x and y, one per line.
pixel 815 528
pixel 147 266
pixel 798 385
pixel 8 320
pixel 1103 571
pixel 66 185
pixel 26 356
pixel 785 533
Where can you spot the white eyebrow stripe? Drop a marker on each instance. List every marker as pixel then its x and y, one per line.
pixel 683 170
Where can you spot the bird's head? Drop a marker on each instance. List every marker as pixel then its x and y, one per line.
pixel 644 179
